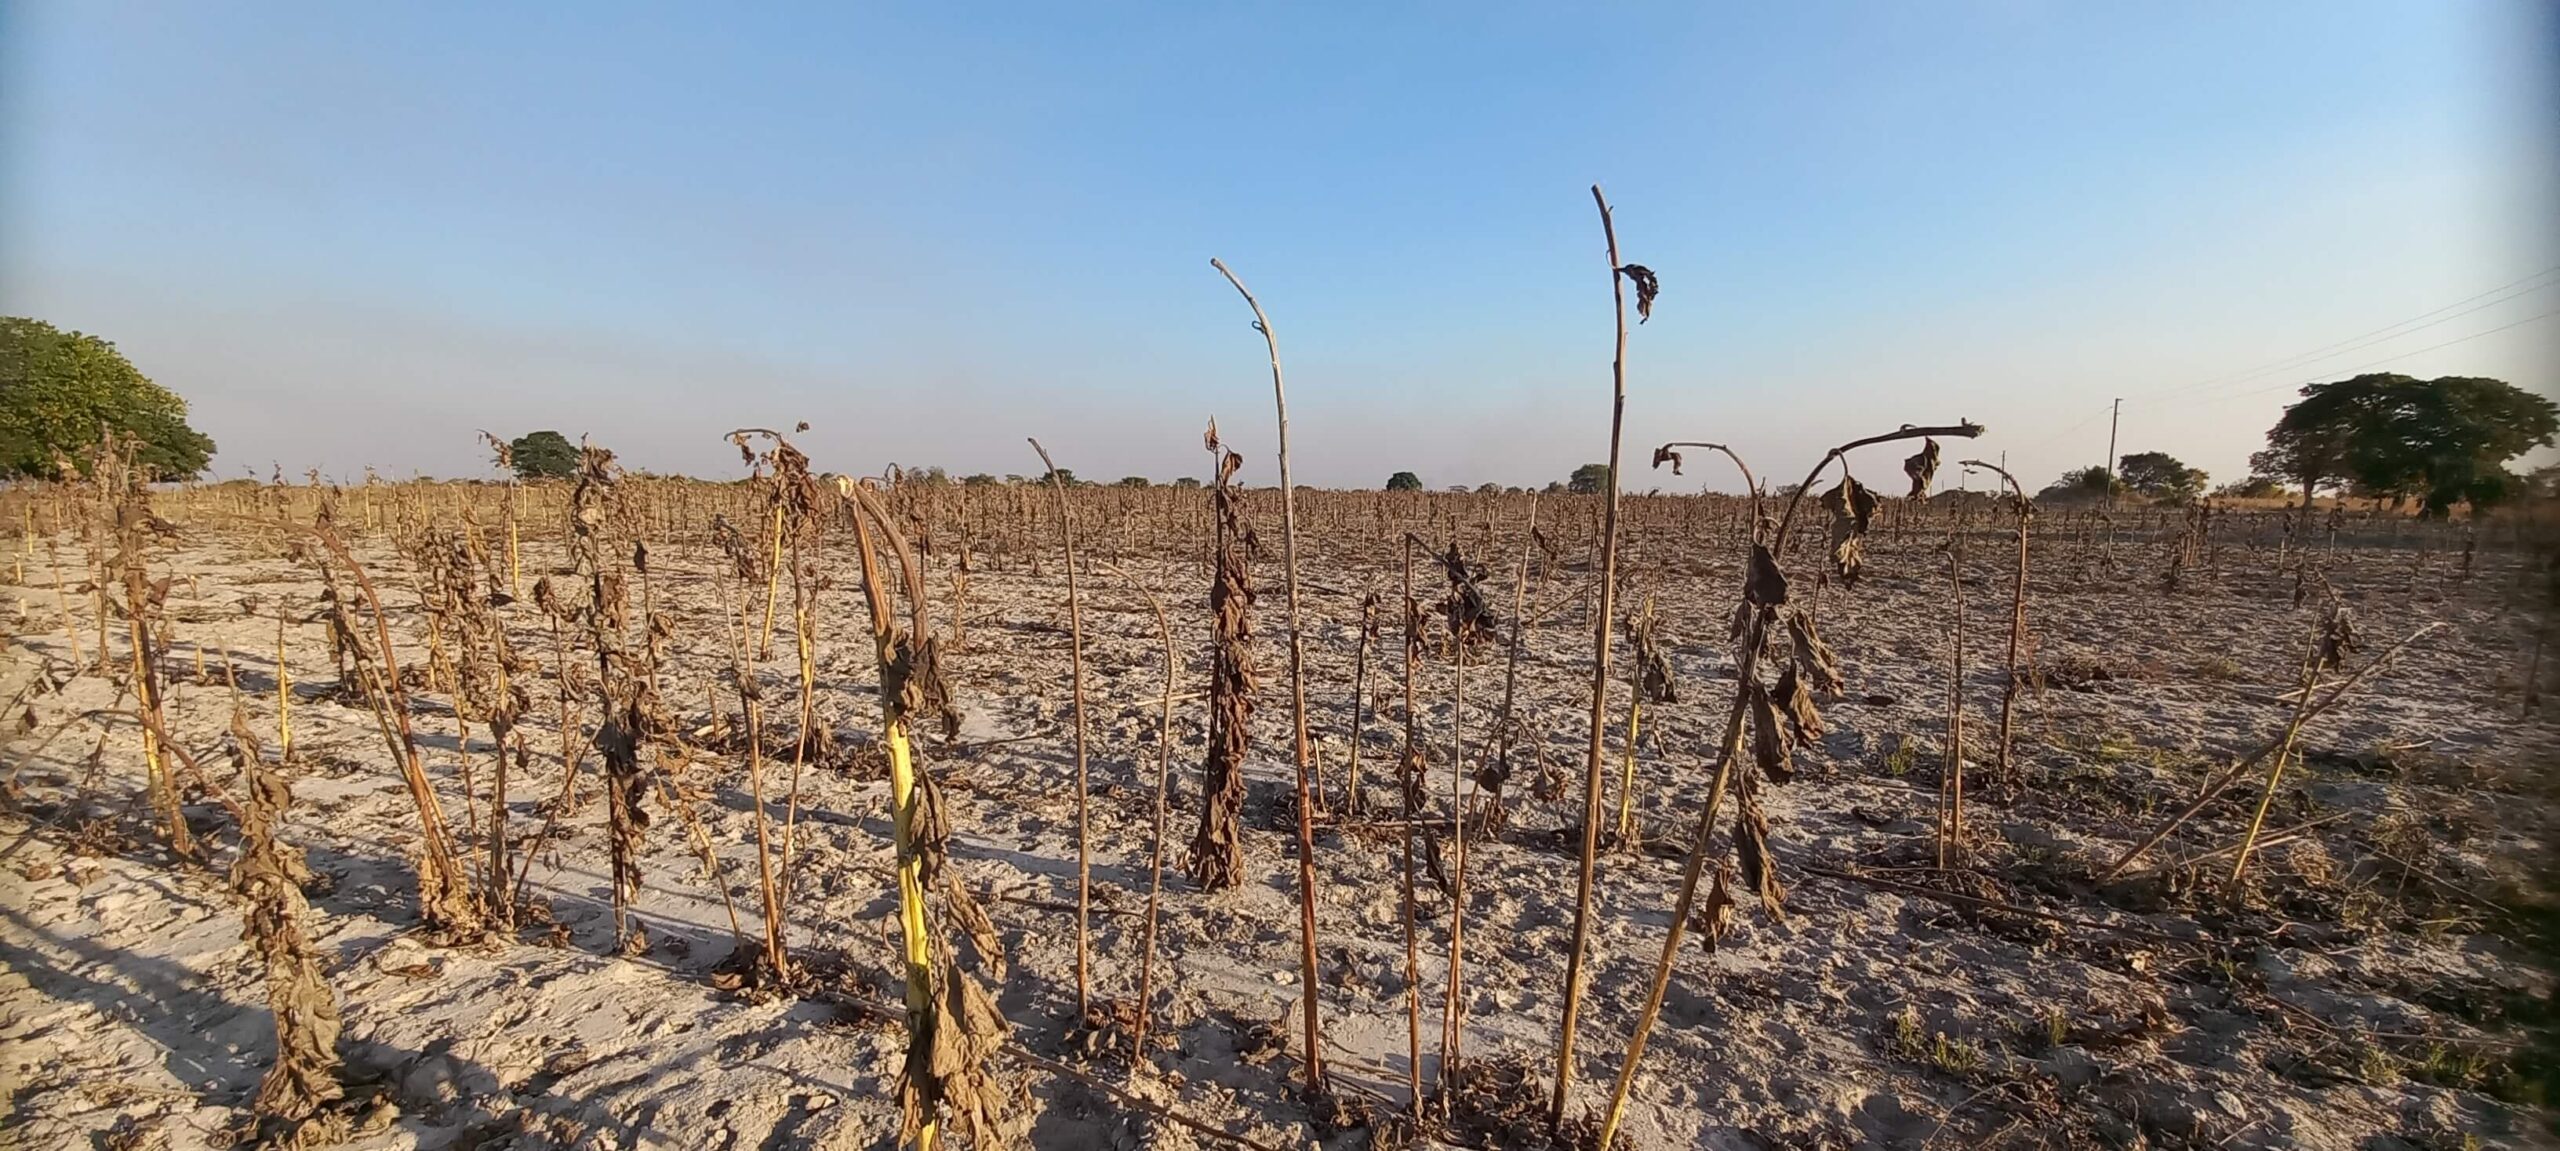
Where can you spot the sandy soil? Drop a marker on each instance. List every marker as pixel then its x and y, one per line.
pixel 2367 994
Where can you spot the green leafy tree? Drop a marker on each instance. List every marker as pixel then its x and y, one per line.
pixel 59 389
pixel 1133 482
pixel 544 455
pixel 1066 477
pixel 1587 479
pixel 1187 482
pixel 2444 441
pixel 1404 482
pixel 2160 476
pixel 977 480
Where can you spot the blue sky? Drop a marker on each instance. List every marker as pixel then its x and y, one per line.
pixel 351 235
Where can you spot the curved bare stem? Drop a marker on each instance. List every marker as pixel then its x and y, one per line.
pixel 1084 839
pixel 1749 484
pixel 1297 697
pixel 1593 752
pixel 1965 429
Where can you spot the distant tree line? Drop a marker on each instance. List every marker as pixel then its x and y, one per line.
pixel 2439 442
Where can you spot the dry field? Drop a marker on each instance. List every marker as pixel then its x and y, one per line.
pixel 596 968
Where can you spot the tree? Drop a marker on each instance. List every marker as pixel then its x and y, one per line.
pixel 925 477
pixel 2160 476
pixel 1186 482
pixel 1404 482
pixel 1133 482
pixel 59 389
pixel 1587 479
pixel 2255 487
pixel 1066 477
pixel 1488 489
pixel 544 455
pixel 2445 440
pixel 2080 484
pixel 977 480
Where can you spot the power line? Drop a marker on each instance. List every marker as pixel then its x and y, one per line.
pixel 2387 359
pixel 2417 323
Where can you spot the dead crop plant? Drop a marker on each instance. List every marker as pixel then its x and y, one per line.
pixel 1495 771
pixel 448 906
pixel 2024 511
pixel 289 1107
pixel 1217 849
pixel 1472 623
pixel 136 532
pixel 1075 661
pixel 794 497
pixel 1298 748
pixel 1781 717
pixel 1409 780
pixel 1351 807
pixel 598 519
pixel 1155 839
pixel 1604 618
pixel 953 1024
pixel 464 599
pixel 1651 682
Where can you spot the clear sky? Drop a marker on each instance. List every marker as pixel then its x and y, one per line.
pixel 352 234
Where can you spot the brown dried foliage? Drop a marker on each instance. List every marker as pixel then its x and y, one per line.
pixel 1647 287
pixel 268 878
pixel 1922 467
pixel 597 519
pixel 1217 850
pixel 1852 509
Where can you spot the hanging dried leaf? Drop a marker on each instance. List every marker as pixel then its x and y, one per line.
pixel 973 920
pixel 1852 508
pixel 2337 636
pixel 1663 455
pixel 1470 615
pixel 1796 703
pixel 1765 585
pixel 1922 466
pixel 1813 657
pixel 1652 669
pixel 1713 920
pixel 1646 289
pixel 948 1078
pixel 1751 850
pixel 1770 747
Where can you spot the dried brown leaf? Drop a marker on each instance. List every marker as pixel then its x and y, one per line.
pixel 1922 466
pixel 1647 287
pixel 1765 585
pixel 1713 920
pixel 1751 850
pixel 1853 509
pixel 1813 657
pixel 1770 747
pixel 1796 703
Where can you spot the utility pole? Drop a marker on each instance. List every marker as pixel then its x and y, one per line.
pixel 2110 468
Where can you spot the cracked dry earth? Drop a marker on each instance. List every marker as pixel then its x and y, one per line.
pixel 2373 988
